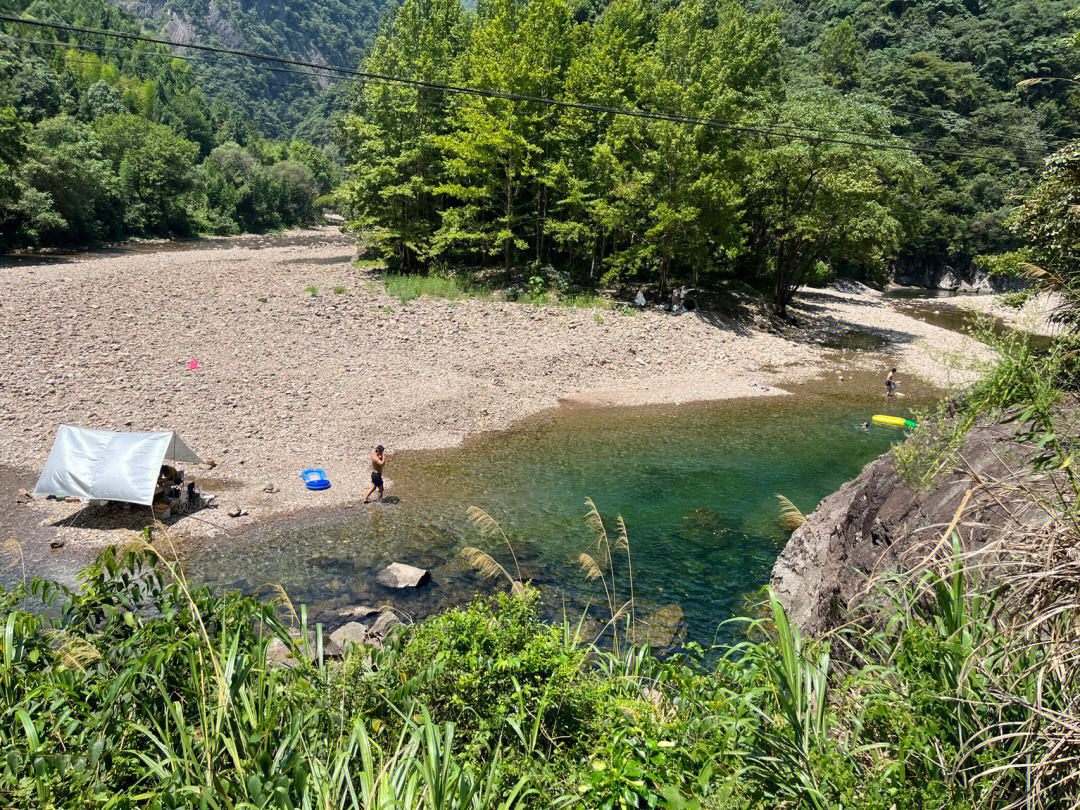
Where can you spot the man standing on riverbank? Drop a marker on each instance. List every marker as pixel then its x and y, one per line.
pixel 890 384
pixel 378 459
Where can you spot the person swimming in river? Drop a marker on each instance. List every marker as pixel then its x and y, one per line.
pixel 378 459
pixel 890 384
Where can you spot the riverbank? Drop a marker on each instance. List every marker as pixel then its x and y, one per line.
pixel 1033 316
pixel 304 360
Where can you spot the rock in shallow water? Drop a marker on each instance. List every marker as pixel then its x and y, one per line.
pixel 666 627
pixel 399 575
pixel 874 523
pixel 386 622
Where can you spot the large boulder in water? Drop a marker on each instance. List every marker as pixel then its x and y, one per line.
pixel 398 575
pixel 877 522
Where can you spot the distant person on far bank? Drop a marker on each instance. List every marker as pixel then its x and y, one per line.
pixel 639 299
pixel 890 384
pixel 677 297
pixel 378 459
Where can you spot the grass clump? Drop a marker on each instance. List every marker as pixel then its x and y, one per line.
pixel 340 290
pixel 407 287
pixel 1021 385
pixel 1017 298
pixel 142 690
pixel 312 290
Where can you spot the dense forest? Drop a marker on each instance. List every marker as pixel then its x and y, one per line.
pixel 121 140
pixel 837 138
pixel 829 138
pixel 951 73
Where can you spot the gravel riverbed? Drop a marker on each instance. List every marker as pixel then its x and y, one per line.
pixel 289 380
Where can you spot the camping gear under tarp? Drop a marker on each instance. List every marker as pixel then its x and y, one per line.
pixel 109 466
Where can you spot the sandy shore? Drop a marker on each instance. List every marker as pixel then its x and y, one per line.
pixel 289 380
pixel 1033 316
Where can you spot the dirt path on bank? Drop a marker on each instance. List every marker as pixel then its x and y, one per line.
pixel 289 380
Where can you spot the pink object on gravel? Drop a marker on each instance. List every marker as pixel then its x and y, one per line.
pixel 193 365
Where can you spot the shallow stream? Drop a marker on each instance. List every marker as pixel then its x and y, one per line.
pixel 695 484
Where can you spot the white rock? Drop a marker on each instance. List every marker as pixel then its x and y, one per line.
pixel 399 575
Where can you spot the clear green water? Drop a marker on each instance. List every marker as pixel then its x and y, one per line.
pixel 695 484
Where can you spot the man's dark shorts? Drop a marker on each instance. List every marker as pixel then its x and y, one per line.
pixel 376 479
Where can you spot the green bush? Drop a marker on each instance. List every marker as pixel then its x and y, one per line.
pixel 486 668
pixel 1018 298
pixel 139 689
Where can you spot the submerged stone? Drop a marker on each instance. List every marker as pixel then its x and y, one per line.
pixel 386 622
pixel 665 627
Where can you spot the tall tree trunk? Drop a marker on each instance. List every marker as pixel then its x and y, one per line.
pixel 781 293
pixel 509 213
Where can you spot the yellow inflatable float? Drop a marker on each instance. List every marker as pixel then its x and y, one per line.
pixel 895 421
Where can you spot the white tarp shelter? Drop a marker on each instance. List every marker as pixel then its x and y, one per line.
pixel 109 466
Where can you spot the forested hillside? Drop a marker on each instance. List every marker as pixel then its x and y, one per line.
pixel 950 71
pixel 840 139
pixel 844 137
pixel 119 139
pixel 321 31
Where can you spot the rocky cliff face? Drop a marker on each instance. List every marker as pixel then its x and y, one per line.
pixel 937 275
pixel 877 522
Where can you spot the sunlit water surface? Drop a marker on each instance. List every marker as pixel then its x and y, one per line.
pixel 696 486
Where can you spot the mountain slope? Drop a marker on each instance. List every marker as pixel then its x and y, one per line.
pixel 321 31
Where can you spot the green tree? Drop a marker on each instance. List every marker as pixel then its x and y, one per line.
pixel 676 185
pixel 841 54
pixel 296 189
pixel 817 199
pixel 391 137
pixel 498 148
pixel 99 100
pixel 37 91
pixel 155 169
pixel 64 163
pixel 1049 221
pixel 592 202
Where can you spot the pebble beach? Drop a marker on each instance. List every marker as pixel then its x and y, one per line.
pixel 304 361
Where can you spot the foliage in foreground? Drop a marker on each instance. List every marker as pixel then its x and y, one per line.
pixel 139 690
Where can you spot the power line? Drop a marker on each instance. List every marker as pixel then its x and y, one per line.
pixel 495 94
pixel 332 77
pixel 57 43
pixel 161 54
